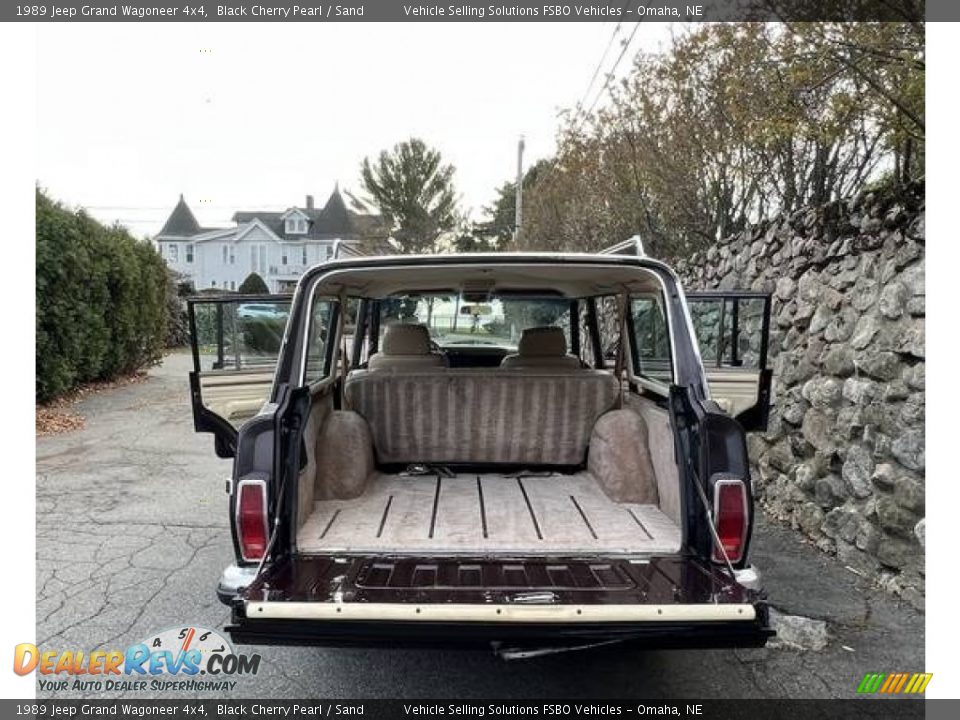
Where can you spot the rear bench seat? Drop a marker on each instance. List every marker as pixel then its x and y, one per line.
pixel 472 415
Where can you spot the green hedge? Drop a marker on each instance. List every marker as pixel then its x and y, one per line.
pixel 101 300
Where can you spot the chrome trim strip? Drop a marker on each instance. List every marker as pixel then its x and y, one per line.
pixel 497 612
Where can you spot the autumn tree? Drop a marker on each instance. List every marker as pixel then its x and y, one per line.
pixel 734 123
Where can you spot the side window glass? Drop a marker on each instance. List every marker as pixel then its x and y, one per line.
pixel 608 325
pixel 320 334
pixel 651 339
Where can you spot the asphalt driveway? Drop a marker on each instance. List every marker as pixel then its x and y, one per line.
pixel 132 535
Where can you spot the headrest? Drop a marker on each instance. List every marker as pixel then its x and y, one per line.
pixel 406 339
pixel 547 341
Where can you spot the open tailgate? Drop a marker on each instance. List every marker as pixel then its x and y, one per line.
pixel 664 602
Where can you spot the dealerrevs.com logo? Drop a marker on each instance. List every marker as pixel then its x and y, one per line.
pixel 895 683
pixel 187 658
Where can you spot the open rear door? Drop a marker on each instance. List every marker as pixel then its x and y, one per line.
pixel 733 331
pixel 236 342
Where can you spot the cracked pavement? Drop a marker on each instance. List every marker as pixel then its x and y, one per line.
pixel 132 535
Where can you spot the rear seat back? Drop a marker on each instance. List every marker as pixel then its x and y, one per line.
pixel 481 416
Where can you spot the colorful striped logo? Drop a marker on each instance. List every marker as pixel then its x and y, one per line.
pixel 894 683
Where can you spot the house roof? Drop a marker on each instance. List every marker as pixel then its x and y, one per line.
pixel 181 222
pixel 333 220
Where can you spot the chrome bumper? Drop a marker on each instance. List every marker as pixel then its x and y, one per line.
pixel 749 577
pixel 233 581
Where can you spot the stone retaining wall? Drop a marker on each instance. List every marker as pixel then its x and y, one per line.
pixel 843 457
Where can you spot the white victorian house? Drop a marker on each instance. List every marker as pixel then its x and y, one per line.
pixel 278 246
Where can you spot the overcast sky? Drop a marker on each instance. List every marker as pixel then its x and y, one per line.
pixel 256 116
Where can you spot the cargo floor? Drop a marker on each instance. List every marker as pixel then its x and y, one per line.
pixel 554 514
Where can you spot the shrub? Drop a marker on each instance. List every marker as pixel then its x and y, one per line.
pixel 253 284
pixel 262 336
pixel 178 323
pixel 100 300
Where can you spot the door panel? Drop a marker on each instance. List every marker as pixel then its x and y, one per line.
pixel 734 389
pixel 236 397
pixel 732 330
pixel 235 341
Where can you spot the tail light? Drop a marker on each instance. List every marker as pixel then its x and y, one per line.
pixel 730 516
pixel 251 509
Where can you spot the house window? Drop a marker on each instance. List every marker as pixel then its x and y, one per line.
pixel 173 251
pixel 303 255
pixel 296 226
pixel 233 285
pixel 233 255
pixel 329 251
pixel 190 252
pixel 213 283
pixel 283 257
pixel 224 251
pixel 258 259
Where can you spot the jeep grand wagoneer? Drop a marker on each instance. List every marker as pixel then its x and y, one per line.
pixel 519 449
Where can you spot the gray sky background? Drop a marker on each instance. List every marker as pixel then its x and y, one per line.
pixel 256 116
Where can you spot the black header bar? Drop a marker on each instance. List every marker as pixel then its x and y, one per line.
pixel 556 708
pixel 480 11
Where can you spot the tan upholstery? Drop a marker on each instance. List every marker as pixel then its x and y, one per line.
pixel 620 458
pixel 406 345
pixel 474 415
pixel 345 454
pixel 660 442
pixel 544 347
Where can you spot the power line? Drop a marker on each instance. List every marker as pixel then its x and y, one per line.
pixel 603 57
pixel 609 76
pixel 613 70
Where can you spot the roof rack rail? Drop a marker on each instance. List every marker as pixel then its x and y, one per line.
pixel 342 248
pixel 632 246
pixel 350 248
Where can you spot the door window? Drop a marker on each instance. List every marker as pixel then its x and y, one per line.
pixel 235 349
pixel 730 328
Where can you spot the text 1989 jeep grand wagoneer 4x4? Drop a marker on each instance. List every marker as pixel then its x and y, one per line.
pixel 528 450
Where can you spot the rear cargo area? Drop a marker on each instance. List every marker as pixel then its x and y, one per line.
pixel 533 513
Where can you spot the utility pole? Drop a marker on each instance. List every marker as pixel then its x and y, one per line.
pixel 518 217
